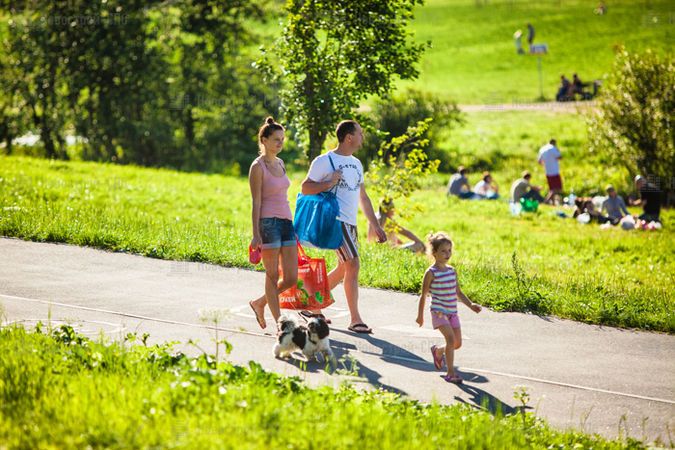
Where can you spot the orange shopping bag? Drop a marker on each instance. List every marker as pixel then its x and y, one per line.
pixel 312 291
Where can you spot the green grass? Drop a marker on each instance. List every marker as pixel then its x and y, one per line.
pixel 580 272
pixel 61 390
pixel 473 59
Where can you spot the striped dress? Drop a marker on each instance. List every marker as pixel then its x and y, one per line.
pixel 444 290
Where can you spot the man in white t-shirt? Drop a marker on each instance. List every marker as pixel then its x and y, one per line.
pixel 549 157
pixel 339 167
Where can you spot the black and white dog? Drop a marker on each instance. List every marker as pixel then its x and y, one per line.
pixel 310 339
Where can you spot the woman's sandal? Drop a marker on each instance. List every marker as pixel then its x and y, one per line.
pixel 456 379
pixel 438 361
pixel 310 315
pixel 258 318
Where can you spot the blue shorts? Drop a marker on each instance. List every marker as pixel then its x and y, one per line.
pixel 276 233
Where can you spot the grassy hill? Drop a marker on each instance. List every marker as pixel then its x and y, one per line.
pixel 473 58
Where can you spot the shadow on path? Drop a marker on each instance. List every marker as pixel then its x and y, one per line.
pixel 346 365
pixel 391 352
pixel 481 399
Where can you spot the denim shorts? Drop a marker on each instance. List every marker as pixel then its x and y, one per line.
pixel 276 233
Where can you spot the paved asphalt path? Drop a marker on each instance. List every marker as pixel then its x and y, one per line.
pixel 596 379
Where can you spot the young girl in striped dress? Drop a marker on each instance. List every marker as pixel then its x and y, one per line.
pixel 440 280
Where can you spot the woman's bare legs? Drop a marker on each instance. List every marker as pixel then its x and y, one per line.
pixel 288 257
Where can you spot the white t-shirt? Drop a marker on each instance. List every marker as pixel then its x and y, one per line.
pixel 482 188
pixel 349 186
pixel 550 154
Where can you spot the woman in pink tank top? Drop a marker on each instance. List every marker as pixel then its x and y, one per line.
pixel 273 231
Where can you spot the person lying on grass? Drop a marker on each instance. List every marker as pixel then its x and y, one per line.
pixel 385 217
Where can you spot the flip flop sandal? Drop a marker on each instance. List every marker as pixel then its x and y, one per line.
pixel 456 379
pixel 360 328
pixel 260 320
pixel 438 361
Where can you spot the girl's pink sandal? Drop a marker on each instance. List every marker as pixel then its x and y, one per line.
pixel 456 379
pixel 438 362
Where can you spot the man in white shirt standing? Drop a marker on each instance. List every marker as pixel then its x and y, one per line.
pixel 549 157
pixel 339 167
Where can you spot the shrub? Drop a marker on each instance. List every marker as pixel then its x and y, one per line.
pixel 393 115
pixel 634 121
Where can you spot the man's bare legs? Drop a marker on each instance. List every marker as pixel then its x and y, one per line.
pixel 348 272
pixel 551 197
pixel 336 275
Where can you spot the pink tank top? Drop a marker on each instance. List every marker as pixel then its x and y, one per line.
pixel 274 194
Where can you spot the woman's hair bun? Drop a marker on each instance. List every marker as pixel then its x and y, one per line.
pixel 269 120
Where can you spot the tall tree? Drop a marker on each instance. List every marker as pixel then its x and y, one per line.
pixel 150 83
pixel 114 76
pixel 13 120
pixel 333 53
pixel 202 41
pixel 35 48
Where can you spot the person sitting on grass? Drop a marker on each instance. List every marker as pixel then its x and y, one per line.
pixel 459 184
pixel 486 187
pixel 649 198
pixel 585 205
pixel 440 280
pixel 521 188
pixel 563 91
pixel 577 86
pixel 385 217
pixel 614 205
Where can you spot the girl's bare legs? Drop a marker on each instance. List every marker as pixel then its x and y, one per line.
pixel 288 256
pixel 458 337
pixel 449 347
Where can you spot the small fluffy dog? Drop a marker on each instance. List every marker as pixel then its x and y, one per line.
pixel 310 339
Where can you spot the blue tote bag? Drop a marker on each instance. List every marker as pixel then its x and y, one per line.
pixel 316 221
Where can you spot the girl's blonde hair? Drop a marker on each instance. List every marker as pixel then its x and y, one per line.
pixel 267 128
pixel 435 241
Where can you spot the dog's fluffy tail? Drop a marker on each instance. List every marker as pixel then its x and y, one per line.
pixel 288 318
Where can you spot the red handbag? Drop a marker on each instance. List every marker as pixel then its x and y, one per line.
pixel 312 290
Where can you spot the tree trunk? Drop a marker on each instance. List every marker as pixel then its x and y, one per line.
pixel 62 152
pixel 189 125
pixel 6 136
pixel 8 143
pixel 315 142
pixel 46 138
